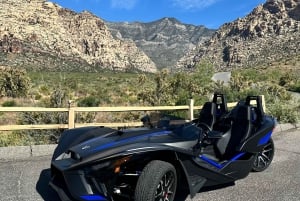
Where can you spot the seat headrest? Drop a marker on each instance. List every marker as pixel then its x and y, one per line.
pixel 209 107
pixel 243 112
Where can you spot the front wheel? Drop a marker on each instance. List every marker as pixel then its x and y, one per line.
pixel 264 158
pixel 157 182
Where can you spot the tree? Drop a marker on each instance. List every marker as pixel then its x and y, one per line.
pixel 238 82
pixel 226 54
pixel 288 79
pixel 177 88
pixel 58 98
pixel 159 94
pixel 13 82
pixel 202 76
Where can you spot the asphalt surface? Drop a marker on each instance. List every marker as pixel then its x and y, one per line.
pixel 222 76
pixel 27 179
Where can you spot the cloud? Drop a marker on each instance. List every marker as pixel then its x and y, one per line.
pixel 123 4
pixel 193 4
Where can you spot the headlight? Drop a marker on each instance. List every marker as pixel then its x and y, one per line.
pixel 119 162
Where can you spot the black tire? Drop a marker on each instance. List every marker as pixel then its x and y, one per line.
pixel 264 158
pixel 158 182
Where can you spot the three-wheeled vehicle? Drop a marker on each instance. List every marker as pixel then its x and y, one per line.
pixel 152 163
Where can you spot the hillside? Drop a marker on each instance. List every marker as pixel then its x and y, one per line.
pixel 165 41
pixel 269 33
pixel 41 35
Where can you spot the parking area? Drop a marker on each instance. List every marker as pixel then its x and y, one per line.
pixel 27 179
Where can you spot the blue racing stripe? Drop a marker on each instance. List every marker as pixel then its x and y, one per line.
pixel 124 141
pixel 93 198
pixel 221 165
pixel 264 140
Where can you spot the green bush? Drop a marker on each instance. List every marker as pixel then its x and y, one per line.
pixel 89 101
pixel 45 90
pixel 166 88
pixel 163 88
pixel 251 82
pixel 57 99
pixel 37 96
pixel 13 139
pixel 295 87
pixel 14 82
pixel 10 103
pixel 284 113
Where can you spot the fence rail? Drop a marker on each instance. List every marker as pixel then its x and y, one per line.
pixel 73 110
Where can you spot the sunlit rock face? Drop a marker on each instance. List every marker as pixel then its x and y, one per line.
pixel 270 32
pixel 46 30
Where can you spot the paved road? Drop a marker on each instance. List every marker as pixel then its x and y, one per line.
pixel 27 180
pixel 222 76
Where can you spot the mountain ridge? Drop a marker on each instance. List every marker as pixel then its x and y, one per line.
pixel 41 35
pixel 36 31
pixel 269 33
pixel 164 40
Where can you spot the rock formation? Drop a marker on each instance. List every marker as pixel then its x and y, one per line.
pixel 269 33
pixel 37 31
pixel 165 41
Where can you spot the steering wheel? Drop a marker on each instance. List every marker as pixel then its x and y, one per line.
pixel 204 126
pixel 205 129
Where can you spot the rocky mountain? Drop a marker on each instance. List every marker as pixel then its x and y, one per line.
pixel 165 41
pixel 42 35
pixel 270 32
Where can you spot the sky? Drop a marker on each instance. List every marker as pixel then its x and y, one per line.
pixel 210 13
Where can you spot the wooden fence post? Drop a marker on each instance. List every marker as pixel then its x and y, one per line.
pixel 191 110
pixel 71 121
pixel 263 102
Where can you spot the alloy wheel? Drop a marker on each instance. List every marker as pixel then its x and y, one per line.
pixel 166 188
pixel 264 158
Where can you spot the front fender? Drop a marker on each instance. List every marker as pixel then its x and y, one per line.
pixel 189 178
pixel 75 136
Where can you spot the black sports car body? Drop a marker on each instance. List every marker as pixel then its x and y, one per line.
pixel 147 164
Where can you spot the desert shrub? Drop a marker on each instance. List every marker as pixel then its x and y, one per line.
pixel 13 139
pixel 296 88
pixel 279 101
pixel 43 136
pixel 85 117
pixel 13 82
pixel 45 90
pixel 286 79
pixel 71 83
pixel 175 89
pixel 159 92
pixel 10 103
pixel 226 54
pixel 285 113
pixel 125 116
pixel 58 98
pixel 90 101
pixel 37 96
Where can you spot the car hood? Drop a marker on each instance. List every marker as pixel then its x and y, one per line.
pixel 121 142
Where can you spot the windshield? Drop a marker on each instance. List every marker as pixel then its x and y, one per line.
pixel 187 131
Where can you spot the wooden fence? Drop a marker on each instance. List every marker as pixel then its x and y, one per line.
pixel 72 113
